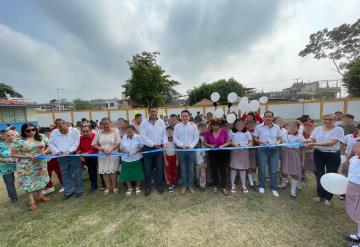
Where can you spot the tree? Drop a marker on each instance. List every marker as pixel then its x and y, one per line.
pixel 351 79
pixel 341 45
pixel 7 89
pixel 80 104
pixel 148 85
pixel 223 87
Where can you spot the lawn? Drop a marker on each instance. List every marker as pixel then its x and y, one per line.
pixel 202 219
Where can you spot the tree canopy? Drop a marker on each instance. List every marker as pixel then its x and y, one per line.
pixel 341 45
pixel 7 89
pixel 80 104
pixel 223 87
pixel 352 79
pixel 148 85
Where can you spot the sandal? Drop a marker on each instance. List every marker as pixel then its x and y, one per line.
pixel 137 190
pixel 33 206
pixel 244 189
pixel 106 192
pixel 353 238
pixel 116 190
pixel 128 193
pixel 44 199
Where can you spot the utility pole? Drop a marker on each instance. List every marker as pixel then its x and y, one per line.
pixel 58 96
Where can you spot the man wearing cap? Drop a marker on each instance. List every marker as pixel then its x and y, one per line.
pixel 348 124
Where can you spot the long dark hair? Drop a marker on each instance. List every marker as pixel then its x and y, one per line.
pixel 234 125
pixel 37 136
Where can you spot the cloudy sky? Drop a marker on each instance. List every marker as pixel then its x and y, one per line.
pixel 82 46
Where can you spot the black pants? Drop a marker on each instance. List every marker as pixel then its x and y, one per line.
pixel 92 164
pixel 325 162
pixel 218 163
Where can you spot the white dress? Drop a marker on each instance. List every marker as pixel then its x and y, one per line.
pixel 109 164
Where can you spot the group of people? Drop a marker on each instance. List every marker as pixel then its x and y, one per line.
pixel 157 153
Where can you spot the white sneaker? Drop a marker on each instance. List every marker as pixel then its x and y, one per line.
pixel 48 191
pixel 275 193
pixel 261 190
pixel 61 190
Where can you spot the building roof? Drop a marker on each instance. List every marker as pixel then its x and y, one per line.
pixel 16 103
pixel 204 102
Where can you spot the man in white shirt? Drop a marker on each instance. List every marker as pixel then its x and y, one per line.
pixel 153 136
pixel 186 136
pixel 64 141
pixel 268 133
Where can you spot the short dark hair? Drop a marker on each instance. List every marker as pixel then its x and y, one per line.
pixel 44 130
pixel 173 115
pixel 152 107
pixel 169 128
pixel 138 115
pixel 202 124
pixel 185 111
pixel 269 112
pixel 349 116
pixel 131 127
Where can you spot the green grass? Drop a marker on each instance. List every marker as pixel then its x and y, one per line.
pixel 202 219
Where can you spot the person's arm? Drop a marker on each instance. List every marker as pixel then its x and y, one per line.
pixel 165 160
pixel 117 143
pixel 145 139
pixel 227 141
pixel 164 136
pixel 52 144
pixel 95 143
pixel 76 140
pixel 256 137
pixel 15 152
pixel 206 142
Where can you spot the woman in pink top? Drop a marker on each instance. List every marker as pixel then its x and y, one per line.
pixel 217 137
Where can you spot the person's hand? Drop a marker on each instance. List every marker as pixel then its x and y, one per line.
pixel 309 145
pixel 79 152
pixel 157 146
pixel 186 147
pixel 107 152
pixel 66 153
pixel 31 157
pixel 24 149
pixel 125 150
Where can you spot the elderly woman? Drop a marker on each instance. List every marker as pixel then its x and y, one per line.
pixel 31 173
pixel 326 141
pixel 106 141
pixel 218 137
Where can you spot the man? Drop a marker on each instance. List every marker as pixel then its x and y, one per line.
pixel 348 124
pixel 265 134
pixel 153 135
pixel 173 120
pixel 198 118
pixel 64 141
pixel 85 147
pixel 186 136
pixel 338 117
pixel 137 122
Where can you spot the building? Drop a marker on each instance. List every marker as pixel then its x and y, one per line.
pixel 106 104
pixel 53 105
pixel 204 102
pixel 16 113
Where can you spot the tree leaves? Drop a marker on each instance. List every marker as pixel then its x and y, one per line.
pixel 7 89
pixel 352 79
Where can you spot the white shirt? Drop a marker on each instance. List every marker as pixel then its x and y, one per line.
pixel 186 135
pixel 68 142
pixel 322 136
pixel 200 157
pixel 168 151
pixel 354 170
pixel 349 140
pixel 286 138
pixel 267 134
pixel 153 134
pixel 241 138
pixel 134 146
pixel 337 123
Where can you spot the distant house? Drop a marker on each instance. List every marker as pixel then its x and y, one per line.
pixel 16 113
pixel 53 105
pixel 204 102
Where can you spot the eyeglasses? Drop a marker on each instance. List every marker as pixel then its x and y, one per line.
pixel 30 130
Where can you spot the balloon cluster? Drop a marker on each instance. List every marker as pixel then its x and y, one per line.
pixel 244 105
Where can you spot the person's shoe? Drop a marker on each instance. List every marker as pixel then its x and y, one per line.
pixel 13 200
pixel 353 238
pixel 48 191
pixel 116 190
pixel 342 197
pixel 283 185
pixel 261 190
pixel 106 192
pixel 299 186
pixel 327 203
pixel 215 190
pixel 225 192
pixel 137 190
pixel 61 190
pixel 292 196
pixel 253 187
pixel 191 190
pixel 128 192
pixel 304 178
pixel 67 197
pixel 78 195
pixel 233 189
pixel 32 206
pixel 44 199
pixel 160 189
pixel 317 199
pixel 170 189
pixel 275 193
pixel 183 190
pixel 244 189
pixel 147 192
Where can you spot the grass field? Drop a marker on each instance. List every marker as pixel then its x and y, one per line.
pixel 202 219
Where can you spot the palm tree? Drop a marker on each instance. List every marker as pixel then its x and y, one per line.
pixel 6 89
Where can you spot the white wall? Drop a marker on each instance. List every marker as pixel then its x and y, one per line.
pixel 114 115
pixel 45 119
pixel 63 115
pixel 287 111
pixel 31 114
pixel 78 115
pixel 132 114
pixel 312 109
pixel 331 107
pixel 354 108
pixel 98 115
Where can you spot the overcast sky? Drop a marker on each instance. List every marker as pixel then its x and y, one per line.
pixel 83 45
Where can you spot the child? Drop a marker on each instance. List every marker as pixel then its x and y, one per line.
pixel 131 163
pixel 250 126
pixel 291 157
pixel 308 153
pixel 201 159
pixel 171 161
pixel 240 160
pixel 353 192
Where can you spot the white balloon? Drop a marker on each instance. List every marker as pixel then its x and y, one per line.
pixel 334 183
pixel 254 105
pixel 245 99
pixel 232 97
pixel 244 106
pixel 219 113
pixel 230 118
pixel 343 159
pixel 263 99
pixel 215 96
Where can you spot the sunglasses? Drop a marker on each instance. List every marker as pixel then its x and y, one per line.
pixel 30 130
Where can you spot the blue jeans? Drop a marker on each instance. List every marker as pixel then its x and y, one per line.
pixel 151 161
pixel 268 157
pixel 187 164
pixel 9 180
pixel 70 166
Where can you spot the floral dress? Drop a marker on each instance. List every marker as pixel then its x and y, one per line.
pixel 7 164
pixel 32 175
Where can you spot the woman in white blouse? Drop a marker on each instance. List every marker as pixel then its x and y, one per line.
pixel 131 164
pixel 326 140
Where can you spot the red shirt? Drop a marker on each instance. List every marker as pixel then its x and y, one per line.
pixel 85 144
pixel 257 117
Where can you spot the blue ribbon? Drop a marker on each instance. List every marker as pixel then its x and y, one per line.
pixel 288 145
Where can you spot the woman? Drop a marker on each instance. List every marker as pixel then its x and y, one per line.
pixel 326 140
pixel 131 165
pixel 8 164
pixel 217 137
pixel 107 140
pixel 31 173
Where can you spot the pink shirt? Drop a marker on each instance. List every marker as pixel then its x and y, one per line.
pixel 220 140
